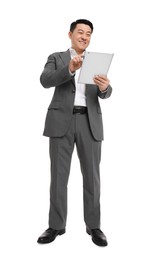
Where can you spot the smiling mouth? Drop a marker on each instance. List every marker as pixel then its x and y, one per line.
pixel 83 42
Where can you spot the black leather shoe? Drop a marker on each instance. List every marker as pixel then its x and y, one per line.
pixel 98 237
pixel 49 235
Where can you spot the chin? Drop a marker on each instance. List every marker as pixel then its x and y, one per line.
pixel 82 48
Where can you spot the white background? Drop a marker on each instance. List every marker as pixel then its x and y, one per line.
pixel 30 31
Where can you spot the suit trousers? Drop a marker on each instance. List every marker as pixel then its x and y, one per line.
pixel 89 154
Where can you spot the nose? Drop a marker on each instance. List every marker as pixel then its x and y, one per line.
pixel 83 37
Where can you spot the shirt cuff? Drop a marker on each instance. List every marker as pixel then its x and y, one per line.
pixel 72 74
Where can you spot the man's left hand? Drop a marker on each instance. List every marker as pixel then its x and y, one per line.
pixel 101 81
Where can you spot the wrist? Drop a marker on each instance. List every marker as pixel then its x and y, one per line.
pixel 104 90
pixel 71 70
pixel 71 73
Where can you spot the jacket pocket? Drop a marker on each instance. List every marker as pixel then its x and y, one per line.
pixel 54 105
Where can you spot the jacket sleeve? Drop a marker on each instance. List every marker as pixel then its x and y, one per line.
pixel 105 94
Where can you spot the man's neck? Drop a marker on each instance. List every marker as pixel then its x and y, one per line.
pixel 76 52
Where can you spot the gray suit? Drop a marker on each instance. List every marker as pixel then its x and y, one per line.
pixel 65 129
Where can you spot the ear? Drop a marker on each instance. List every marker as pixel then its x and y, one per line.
pixel 70 34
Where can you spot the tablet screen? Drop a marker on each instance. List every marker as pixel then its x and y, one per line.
pixel 94 63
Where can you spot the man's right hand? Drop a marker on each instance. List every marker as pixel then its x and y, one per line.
pixel 75 63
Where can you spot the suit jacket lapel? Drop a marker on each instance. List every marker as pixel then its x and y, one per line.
pixel 65 56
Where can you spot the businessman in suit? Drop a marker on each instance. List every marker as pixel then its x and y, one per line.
pixel 74 117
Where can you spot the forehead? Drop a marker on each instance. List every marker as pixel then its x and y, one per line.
pixel 84 27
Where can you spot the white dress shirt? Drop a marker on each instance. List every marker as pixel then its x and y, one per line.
pixel 80 95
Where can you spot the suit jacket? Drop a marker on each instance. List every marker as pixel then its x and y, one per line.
pixel 59 114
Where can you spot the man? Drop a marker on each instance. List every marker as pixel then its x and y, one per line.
pixel 74 117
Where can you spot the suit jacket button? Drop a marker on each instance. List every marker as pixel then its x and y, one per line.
pixel 73 90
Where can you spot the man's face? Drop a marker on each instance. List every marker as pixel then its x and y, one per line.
pixel 80 37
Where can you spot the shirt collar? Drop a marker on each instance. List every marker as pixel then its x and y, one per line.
pixel 73 52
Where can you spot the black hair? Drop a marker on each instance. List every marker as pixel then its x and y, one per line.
pixel 84 21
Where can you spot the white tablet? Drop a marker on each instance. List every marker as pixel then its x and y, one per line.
pixel 94 63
